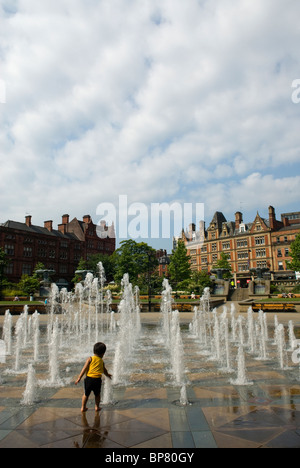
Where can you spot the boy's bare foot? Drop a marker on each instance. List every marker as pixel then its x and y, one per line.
pixel 97 408
pixel 84 410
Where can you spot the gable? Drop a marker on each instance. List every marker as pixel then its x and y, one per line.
pixel 259 225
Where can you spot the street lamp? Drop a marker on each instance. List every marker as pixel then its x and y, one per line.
pixel 149 281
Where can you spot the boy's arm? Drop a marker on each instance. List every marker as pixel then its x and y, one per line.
pixel 106 373
pixel 84 370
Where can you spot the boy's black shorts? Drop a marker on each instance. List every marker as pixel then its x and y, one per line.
pixel 92 385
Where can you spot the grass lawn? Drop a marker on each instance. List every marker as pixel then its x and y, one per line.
pixel 282 300
pixel 11 303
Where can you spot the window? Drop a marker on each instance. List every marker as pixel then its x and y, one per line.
pixel 261 264
pixel 9 269
pixel 260 240
pixel 27 252
pixel 63 255
pixel 26 269
pixel 242 243
pixel 42 253
pixel 9 249
pixel 260 252
pixel 51 253
pixel 279 254
pixel 242 255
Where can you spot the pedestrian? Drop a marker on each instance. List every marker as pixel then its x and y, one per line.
pixel 94 368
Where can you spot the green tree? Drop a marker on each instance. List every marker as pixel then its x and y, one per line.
pixel 136 259
pixel 81 266
pixel 29 284
pixel 179 268
pixel 107 262
pixel 38 266
pixel 295 254
pixel 224 264
pixel 199 281
pixel 3 264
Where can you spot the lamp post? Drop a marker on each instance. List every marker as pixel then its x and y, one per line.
pixel 149 281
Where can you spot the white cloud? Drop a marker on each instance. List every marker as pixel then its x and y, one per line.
pixel 156 99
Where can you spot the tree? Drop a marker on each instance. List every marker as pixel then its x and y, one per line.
pixel 199 281
pixel 295 254
pixel 179 268
pixel 107 262
pixel 136 259
pixel 225 265
pixel 29 284
pixel 81 267
pixel 3 264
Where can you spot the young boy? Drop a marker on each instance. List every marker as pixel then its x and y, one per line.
pixel 93 368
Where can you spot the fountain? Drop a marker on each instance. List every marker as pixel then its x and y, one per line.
pixel 36 332
pixel 7 332
pixel 241 372
pixel 221 286
pixel 45 283
pixel 53 356
pixel 29 395
pixel 259 286
pixel 281 347
pixel 138 354
pixel 107 398
pixel 19 338
pixel 129 329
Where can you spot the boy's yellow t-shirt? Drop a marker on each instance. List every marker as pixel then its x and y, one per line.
pixel 96 368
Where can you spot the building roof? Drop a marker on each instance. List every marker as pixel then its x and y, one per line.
pixel 17 226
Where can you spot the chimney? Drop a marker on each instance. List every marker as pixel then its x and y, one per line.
pixel 238 220
pixel 28 220
pixel 272 218
pixel 48 225
pixel 87 219
pixel 62 228
pixel 286 222
pixel 65 219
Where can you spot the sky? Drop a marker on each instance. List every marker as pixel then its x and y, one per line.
pixel 153 101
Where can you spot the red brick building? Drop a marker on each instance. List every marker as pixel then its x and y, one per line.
pixel 58 249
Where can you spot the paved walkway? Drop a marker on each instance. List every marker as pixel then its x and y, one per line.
pixel 220 414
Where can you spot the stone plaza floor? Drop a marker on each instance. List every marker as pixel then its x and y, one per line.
pixel 265 414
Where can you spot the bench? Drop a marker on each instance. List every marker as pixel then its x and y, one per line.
pixel 273 307
pixel 292 295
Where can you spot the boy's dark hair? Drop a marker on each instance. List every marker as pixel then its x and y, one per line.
pixel 99 349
